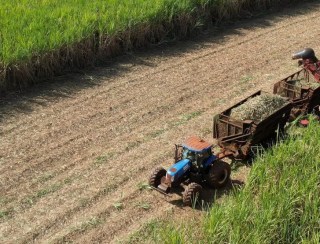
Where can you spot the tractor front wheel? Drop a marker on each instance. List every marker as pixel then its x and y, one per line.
pixel 155 177
pixel 191 194
pixel 219 174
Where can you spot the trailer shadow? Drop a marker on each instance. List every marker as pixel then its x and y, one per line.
pixel 210 196
pixel 267 144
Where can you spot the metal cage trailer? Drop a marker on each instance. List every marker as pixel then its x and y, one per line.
pixel 235 137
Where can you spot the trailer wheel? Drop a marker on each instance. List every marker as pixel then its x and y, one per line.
pixel 219 174
pixel 191 194
pixel 155 177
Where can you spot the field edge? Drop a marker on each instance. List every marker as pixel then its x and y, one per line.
pixel 101 47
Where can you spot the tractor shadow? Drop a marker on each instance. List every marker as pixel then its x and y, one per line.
pixel 208 195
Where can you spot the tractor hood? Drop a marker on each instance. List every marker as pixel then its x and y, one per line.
pixel 178 169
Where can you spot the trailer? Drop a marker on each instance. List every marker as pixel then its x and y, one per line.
pixel 196 165
pixel 302 90
pixel 235 137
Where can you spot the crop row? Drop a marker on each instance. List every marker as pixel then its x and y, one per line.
pixel 46 37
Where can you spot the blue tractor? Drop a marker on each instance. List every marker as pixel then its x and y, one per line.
pixel 195 166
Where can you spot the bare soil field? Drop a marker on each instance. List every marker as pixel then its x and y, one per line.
pixel 76 153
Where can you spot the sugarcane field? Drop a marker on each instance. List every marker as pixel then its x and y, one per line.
pixel 160 121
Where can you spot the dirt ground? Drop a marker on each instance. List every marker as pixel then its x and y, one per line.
pixel 76 152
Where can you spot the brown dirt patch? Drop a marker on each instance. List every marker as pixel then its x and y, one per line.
pixel 75 154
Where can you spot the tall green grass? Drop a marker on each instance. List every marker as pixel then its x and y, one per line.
pixel 32 27
pixel 41 38
pixel 29 27
pixel 279 204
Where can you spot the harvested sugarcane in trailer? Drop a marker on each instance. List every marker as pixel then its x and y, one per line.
pixel 245 124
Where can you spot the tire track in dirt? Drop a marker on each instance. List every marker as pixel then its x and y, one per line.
pixel 68 214
pixel 137 204
pixel 290 24
pixel 62 132
pixel 152 72
pixel 120 137
pixel 69 140
pixel 178 75
pixel 92 202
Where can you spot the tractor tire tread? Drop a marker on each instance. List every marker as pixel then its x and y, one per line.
pixel 190 194
pixel 219 174
pixel 156 175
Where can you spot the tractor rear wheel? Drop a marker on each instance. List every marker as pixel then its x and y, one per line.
pixel 155 177
pixel 191 194
pixel 219 174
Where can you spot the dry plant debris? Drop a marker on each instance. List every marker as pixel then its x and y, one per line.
pixel 304 83
pixel 258 108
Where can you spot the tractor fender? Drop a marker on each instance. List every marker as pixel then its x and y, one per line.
pixel 209 161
